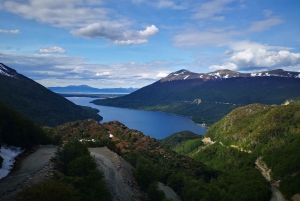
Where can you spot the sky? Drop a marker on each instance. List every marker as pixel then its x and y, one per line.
pixel 133 43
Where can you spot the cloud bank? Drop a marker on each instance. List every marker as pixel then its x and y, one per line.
pixel 9 31
pixel 84 18
pixel 114 34
pixel 54 49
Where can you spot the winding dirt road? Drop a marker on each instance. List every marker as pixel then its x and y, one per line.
pixel 30 166
pixel 117 175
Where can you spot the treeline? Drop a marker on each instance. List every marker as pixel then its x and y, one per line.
pixel 77 178
pixel 17 130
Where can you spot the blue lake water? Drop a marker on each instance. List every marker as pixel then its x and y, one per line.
pixel 155 124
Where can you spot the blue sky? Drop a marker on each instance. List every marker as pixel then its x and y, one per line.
pixel 133 43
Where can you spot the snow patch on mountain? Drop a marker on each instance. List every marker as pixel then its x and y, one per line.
pixel 7 72
pixel 186 77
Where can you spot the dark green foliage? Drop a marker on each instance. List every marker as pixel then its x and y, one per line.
pixel 188 147
pixel 40 104
pixel 272 132
pixel 18 130
pixel 290 185
pixel 64 156
pixel 80 171
pixel 218 96
pixel 49 191
pixel 176 138
pixel 154 194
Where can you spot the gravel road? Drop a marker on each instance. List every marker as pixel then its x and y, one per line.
pixel 30 166
pixel 117 175
pixel 168 192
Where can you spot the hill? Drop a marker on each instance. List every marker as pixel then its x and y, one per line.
pixel 208 97
pixel 153 162
pixel 268 136
pixel 38 103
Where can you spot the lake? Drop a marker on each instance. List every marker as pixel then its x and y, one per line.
pixel 155 124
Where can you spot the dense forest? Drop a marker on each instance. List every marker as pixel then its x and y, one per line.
pixel 247 133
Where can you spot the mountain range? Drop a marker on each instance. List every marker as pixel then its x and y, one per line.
pixel 88 89
pixel 224 164
pixel 208 97
pixel 37 102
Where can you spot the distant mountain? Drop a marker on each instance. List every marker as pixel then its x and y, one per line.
pixel 208 97
pixel 224 74
pixel 88 89
pixel 38 103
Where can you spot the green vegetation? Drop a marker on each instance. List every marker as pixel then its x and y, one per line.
pixel 218 96
pixel 184 142
pixel 176 138
pixel 40 104
pixel 78 178
pixel 248 132
pixel 17 130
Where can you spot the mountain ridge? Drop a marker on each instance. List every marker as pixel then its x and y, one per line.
pixel 225 74
pixel 37 102
pixel 209 100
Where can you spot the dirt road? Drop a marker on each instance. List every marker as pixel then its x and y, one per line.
pixel 266 172
pixel 170 194
pixel 117 175
pixel 30 166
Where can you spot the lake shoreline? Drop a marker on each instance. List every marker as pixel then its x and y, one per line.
pixel 156 124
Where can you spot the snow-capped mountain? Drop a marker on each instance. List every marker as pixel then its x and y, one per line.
pixel 6 71
pixel 224 74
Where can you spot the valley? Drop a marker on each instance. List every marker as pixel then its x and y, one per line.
pixel 114 162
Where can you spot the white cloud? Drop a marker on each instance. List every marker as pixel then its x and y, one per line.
pixel 9 31
pixel 54 70
pixel 103 74
pixel 54 49
pixel 193 37
pixel 162 74
pixel 86 18
pixel 262 25
pixel 253 56
pixel 162 4
pixel 115 35
pixel 211 10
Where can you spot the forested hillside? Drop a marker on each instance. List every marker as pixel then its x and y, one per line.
pixel 153 162
pixel 254 132
pixel 38 103
pixel 17 130
pixel 208 100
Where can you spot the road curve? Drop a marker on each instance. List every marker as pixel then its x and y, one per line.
pixel 30 166
pixel 276 195
pixel 118 175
